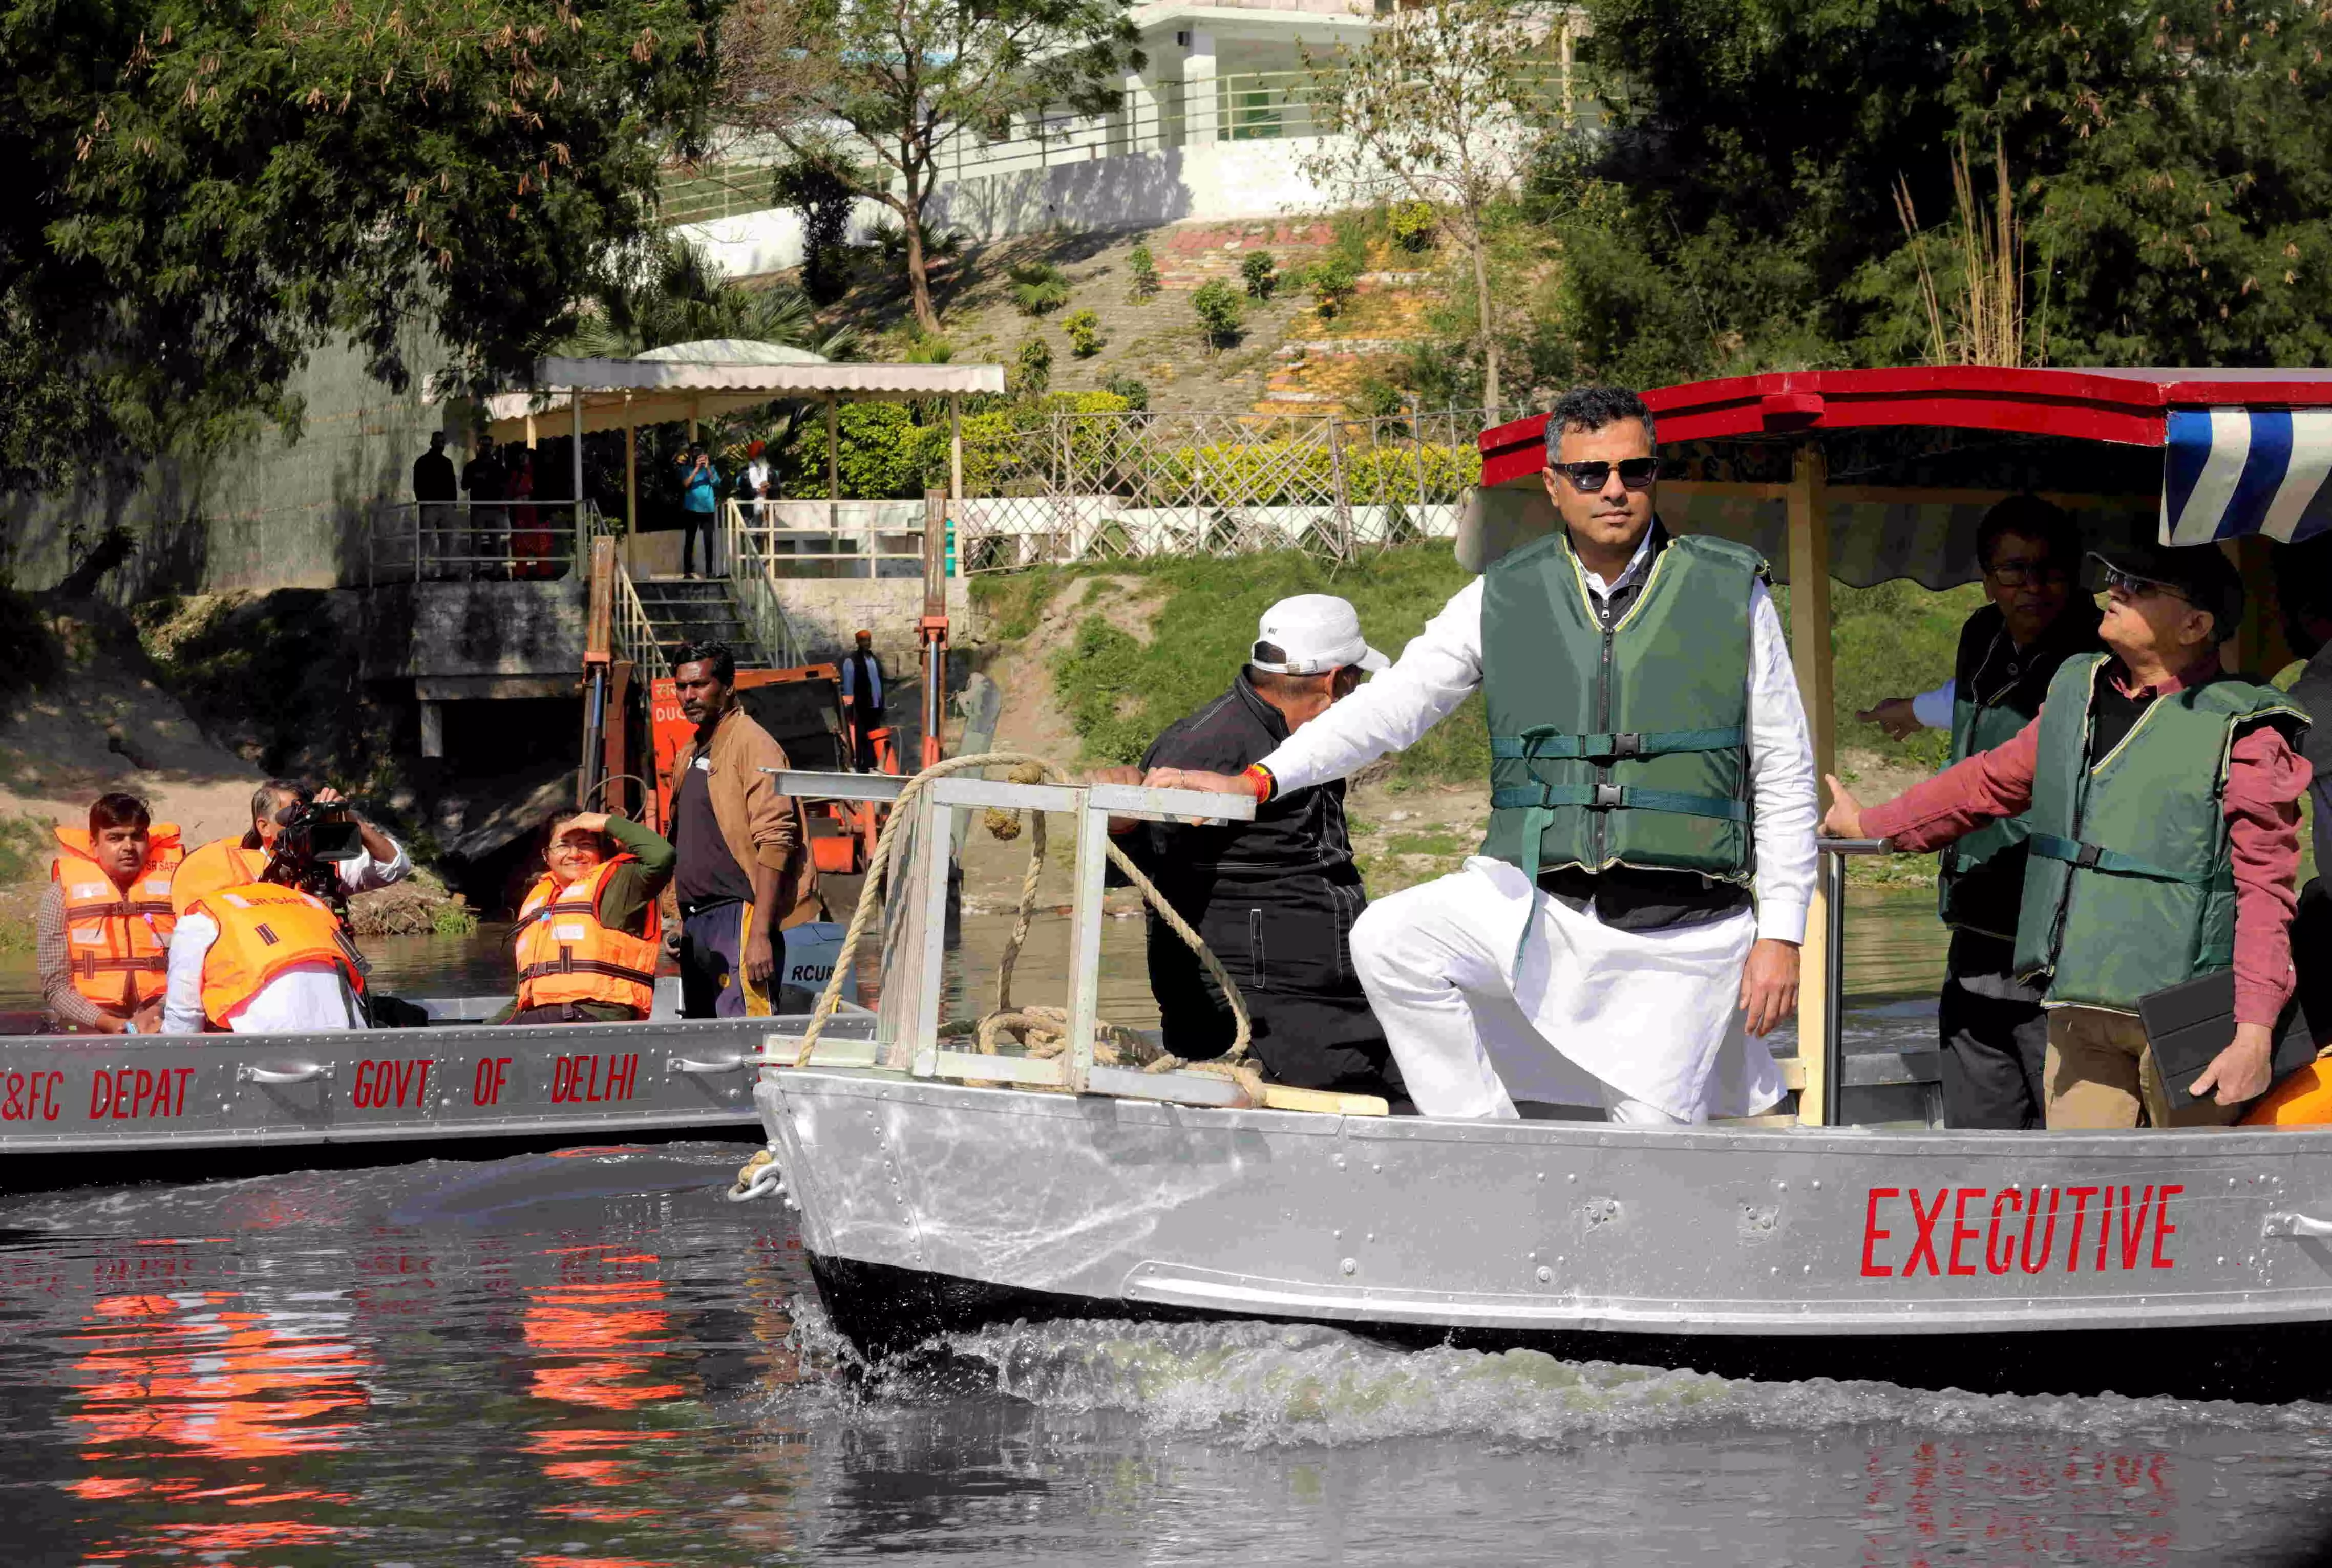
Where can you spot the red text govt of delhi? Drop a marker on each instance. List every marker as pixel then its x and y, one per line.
pixel 2036 1230
pixel 381 1085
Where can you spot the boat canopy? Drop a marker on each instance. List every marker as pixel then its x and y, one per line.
pixel 1910 460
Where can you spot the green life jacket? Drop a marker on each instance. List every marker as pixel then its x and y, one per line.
pixel 1625 746
pixel 1998 690
pixel 2131 886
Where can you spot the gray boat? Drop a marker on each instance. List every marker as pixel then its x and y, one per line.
pixel 939 1188
pixel 80 1106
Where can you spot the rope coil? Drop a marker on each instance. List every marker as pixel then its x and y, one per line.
pixel 1042 1031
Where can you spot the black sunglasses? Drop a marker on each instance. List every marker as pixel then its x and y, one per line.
pixel 2139 588
pixel 1587 478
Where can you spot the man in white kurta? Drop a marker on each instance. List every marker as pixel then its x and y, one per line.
pixel 1643 991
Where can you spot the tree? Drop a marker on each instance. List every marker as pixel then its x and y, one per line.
pixel 1218 309
pixel 224 187
pixel 905 78
pixel 822 186
pixel 2166 167
pixel 1441 106
pixel 670 292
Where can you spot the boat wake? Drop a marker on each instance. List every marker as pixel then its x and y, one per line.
pixel 1263 1384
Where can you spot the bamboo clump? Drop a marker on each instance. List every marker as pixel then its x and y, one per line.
pixel 1984 322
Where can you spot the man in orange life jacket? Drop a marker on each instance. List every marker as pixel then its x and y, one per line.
pixel 225 862
pixel 588 934
pixel 103 930
pixel 260 958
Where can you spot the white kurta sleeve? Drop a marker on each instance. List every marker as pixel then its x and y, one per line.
pixel 182 1001
pixel 1934 709
pixel 1781 778
pixel 364 873
pixel 1439 668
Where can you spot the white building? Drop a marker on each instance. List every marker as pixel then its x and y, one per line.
pixel 1214 127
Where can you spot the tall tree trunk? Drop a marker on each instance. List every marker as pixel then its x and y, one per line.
pixel 1482 315
pixel 919 283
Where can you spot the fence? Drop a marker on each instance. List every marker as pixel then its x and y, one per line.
pixel 479 541
pixel 823 539
pixel 1074 487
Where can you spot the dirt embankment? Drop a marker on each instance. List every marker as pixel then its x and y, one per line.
pixel 100 714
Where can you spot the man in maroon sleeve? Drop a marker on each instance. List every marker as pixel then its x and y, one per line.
pixel 2163 798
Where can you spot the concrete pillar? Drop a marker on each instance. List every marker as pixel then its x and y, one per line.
pixel 1200 118
pixel 432 729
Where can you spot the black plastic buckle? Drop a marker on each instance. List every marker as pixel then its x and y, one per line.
pixel 1606 798
pixel 2087 856
pixel 1625 745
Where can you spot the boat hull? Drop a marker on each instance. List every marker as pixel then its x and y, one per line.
pixel 2174 1262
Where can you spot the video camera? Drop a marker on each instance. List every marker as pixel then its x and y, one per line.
pixel 312 839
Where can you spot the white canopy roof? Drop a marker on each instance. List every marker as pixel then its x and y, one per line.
pixel 701 380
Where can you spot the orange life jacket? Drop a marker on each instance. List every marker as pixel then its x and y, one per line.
pixel 119 942
pixel 263 930
pixel 221 863
pixel 565 954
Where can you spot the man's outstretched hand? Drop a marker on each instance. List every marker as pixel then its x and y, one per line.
pixel 1844 818
pixel 1179 778
pixel 1895 716
pixel 1769 984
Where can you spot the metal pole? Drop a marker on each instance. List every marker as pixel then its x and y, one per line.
pixel 1833 1040
pixel 631 469
pixel 575 404
pixel 834 485
pixel 955 474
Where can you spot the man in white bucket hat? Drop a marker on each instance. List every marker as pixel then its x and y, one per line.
pixel 1275 898
pixel 1631 924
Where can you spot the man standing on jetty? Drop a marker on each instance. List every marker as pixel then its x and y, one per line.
pixel 1649 767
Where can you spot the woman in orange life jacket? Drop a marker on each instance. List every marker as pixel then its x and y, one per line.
pixel 588 932
pixel 103 930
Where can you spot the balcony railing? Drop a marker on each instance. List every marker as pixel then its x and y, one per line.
pixel 479 541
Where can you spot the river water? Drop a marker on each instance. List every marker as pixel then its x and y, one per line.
pixel 588 1360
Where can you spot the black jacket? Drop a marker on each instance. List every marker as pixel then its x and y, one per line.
pixel 433 478
pixel 1275 898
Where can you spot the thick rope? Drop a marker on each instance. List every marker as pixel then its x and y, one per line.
pixel 1030 769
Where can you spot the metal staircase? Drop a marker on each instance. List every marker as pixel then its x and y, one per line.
pixel 699 611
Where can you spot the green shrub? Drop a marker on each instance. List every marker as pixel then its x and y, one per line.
pixel 1334 281
pixel 25 847
pixel 1032 367
pixel 1083 329
pixel 1135 392
pixel 1261 274
pixel 1413 224
pixel 871 452
pixel 1141 274
pixel 1039 287
pixel 1217 311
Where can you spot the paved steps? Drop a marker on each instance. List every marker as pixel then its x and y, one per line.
pixel 705 610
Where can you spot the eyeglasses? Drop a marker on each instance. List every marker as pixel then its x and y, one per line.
pixel 1587 478
pixel 2017 574
pixel 2139 588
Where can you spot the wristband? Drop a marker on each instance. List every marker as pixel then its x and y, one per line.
pixel 1259 777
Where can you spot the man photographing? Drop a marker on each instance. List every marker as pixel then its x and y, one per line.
pixel 230 861
pixel 1649 768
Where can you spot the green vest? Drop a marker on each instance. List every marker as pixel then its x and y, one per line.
pixel 1994 850
pixel 2131 886
pixel 1628 746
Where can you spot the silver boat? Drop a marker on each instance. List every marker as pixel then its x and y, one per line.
pixel 2195 1263
pixel 80 1106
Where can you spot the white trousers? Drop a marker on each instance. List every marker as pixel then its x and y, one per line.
pixel 1645 1023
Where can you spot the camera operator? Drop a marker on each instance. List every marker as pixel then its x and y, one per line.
pixel 230 861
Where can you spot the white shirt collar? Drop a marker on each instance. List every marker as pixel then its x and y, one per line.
pixel 1634 568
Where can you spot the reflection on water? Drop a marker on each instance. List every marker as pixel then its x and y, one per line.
pixel 593 1360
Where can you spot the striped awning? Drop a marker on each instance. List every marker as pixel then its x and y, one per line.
pixel 2230 471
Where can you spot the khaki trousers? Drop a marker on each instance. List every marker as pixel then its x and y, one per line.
pixel 2101 1072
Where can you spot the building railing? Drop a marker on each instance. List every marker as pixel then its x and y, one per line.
pixel 1153 117
pixel 479 541
pixel 752 578
pixel 635 637
pixel 827 539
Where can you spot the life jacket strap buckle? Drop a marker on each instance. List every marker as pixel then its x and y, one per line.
pixel 1606 798
pixel 2087 856
pixel 1626 744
